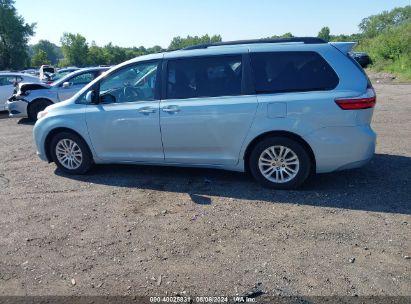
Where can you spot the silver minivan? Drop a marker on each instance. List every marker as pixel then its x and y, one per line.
pixel 279 109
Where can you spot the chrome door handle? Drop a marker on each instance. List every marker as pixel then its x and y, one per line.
pixel 147 110
pixel 171 109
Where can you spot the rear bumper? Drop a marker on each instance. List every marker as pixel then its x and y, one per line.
pixel 340 148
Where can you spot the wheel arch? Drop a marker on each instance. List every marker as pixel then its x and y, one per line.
pixel 54 132
pixel 286 134
pixel 38 99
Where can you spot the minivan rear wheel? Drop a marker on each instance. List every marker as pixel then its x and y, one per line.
pixel 280 163
pixel 70 153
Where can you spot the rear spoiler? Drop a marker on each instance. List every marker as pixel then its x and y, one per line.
pixel 344 47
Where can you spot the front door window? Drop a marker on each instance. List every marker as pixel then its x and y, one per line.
pixel 131 84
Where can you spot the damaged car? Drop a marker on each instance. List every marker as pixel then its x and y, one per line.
pixel 31 98
pixel 8 81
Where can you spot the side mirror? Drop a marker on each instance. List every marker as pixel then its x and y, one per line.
pixel 66 85
pixel 90 97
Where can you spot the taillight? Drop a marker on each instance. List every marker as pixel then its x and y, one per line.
pixel 358 103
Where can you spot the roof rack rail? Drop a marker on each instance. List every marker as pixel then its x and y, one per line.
pixel 305 40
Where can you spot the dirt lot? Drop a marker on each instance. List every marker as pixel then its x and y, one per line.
pixel 131 230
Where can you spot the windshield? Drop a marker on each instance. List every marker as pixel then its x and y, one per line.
pixel 58 75
pixel 111 72
pixel 70 75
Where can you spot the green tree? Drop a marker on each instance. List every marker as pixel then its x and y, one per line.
pixel 155 49
pixel 142 49
pixel 75 49
pixel 49 48
pixel 286 35
pixel 179 42
pixel 96 55
pixel 387 39
pixel 324 33
pixel 14 35
pixel 40 58
pixel 393 43
pixel 374 25
pixel 342 37
pixel 114 54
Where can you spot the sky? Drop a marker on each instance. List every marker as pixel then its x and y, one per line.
pixel 130 23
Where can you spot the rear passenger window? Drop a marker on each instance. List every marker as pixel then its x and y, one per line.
pixel 204 77
pixel 292 72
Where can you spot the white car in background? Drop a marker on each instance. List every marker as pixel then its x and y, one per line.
pixel 8 81
pixel 31 98
pixel 46 69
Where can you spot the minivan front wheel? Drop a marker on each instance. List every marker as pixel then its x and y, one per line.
pixel 70 153
pixel 280 163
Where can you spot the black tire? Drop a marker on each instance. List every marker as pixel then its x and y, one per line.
pixel 37 106
pixel 87 158
pixel 303 170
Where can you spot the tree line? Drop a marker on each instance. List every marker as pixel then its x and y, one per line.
pixel 385 36
pixel 76 51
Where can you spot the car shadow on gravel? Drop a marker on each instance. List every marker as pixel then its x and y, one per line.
pixel 384 185
pixel 4 114
pixel 21 121
pixel 26 121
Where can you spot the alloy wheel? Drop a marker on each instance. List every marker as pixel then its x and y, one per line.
pixel 69 154
pixel 279 164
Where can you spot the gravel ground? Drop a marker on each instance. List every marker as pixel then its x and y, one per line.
pixel 132 230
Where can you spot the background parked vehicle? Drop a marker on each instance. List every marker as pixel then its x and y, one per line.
pixel 277 109
pixel 362 58
pixel 46 69
pixel 31 98
pixel 8 81
pixel 50 78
